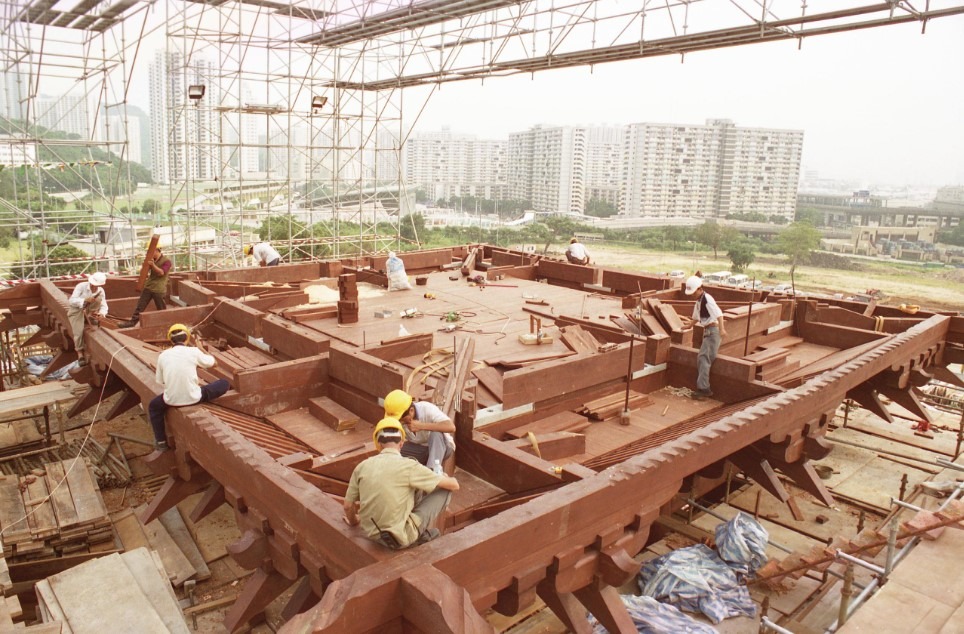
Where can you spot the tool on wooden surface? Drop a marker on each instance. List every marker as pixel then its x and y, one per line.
pixel 535 336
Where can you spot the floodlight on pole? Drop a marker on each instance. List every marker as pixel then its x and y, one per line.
pixel 195 91
pixel 318 102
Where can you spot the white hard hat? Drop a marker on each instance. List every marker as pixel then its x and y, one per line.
pixel 97 279
pixel 693 282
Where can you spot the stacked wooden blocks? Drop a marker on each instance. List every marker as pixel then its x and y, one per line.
pixel 348 302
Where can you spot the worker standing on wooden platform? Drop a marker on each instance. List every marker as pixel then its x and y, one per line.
pixel 429 430
pixel 177 372
pixel 264 254
pixel 708 314
pixel 576 253
pixel 155 288
pixel 396 501
pixel 87 302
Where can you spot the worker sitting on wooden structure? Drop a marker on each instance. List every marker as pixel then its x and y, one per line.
pixel 708 314
pixel 264 254
pixel 429 430
pixel 155 288
pixel 86 302
pixel 396 501
pixel 576 253
pixel 177 372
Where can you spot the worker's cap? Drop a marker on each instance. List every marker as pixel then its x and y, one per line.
pixel 97 279
pixel 572 240
pixel 248 250
pixel 693 282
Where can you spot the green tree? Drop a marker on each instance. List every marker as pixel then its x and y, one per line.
pixel 797 242
pixel 954 236
pixel 676 236
pixel 412 228
pixel 809 214
pixel 150 206
pixel 741 255
pixel 710 234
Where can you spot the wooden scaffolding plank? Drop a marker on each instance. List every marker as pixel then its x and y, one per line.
pixel 177 529
pixel 13 515
pixel 149 572
pixel 63 503
pixel 86 496
pixel 178 567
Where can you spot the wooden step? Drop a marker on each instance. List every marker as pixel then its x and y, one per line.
pixel 332 414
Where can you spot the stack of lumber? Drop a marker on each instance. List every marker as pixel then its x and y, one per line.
pixel 126 592
pixel 609 406
pixel 652 317
pixel 301 314
pixel 20 436
pixel 169 537
pixel 10 609
pixel 578 339
pixel 348 298
pixel 52 513
pixel 231 360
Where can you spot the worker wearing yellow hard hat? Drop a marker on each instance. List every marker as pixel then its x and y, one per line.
pixel 177 372
pixel 381 496
pixel 429 430
pixel 264 254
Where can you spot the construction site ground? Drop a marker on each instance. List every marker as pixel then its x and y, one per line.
pixel 865 470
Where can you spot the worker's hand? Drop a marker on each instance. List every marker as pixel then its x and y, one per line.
pixel 414 426
pixel 262 263
pixel 88 301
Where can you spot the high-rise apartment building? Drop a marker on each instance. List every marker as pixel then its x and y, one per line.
pixel 709 171
pixel 547 167
pixel 184 138
pixel 64 113
pixel 447 165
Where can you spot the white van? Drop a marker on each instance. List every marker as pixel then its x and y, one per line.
pixel 737 280
pixel 719 277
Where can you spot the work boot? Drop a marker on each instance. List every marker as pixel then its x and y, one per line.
pixel 160 445
pixel 701 395
pixel 127 324
pixel 428 536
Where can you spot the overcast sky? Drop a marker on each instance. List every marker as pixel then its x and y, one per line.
pixel 880 106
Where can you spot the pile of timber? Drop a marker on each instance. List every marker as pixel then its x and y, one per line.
pixel 652 317
pixel 170 537
pixel 126 592
pixel 231 360
pixel 610 406
pixel 110 470
pixel 52 513
pixel 348 298
pixel 578 339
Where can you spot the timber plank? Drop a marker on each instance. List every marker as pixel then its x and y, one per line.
pixel 60 496
pixel 178 568
pixel 44 520
pixel 86 496
pixel 177 529
pixel 101 594
pixel 149 573
pixel 13 515
pixel 130 530
pixel 332 414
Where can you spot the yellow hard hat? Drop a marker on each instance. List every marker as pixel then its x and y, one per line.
pixel 386 423
pixel 176 328
pixel 248 250
pixel 397 403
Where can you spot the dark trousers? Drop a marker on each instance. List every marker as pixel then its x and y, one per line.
pixel 144 299
pixel 274 262
pixel 158 407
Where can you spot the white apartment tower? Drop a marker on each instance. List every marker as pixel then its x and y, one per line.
pixel 547 167
pixel 64 113
pixel 709 171
pixel 447 165
pixel 183 131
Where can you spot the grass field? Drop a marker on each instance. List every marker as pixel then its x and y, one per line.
pixel 941 289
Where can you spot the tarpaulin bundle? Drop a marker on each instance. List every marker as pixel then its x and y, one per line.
pixel 652 617
pixel 742 543
pixel 695 579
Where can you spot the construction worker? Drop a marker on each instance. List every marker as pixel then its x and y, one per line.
pixel 177 372
pixel 264 254
pixel 707 314
pixel 394 500
pixel 85 304
pixel 429 431
pixel 155 288
pixel 576 253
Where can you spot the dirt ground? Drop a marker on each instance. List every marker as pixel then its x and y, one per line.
pixel 940 289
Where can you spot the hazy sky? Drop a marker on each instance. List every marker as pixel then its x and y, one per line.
pixel 882 106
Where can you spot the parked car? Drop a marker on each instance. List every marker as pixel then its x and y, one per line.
pixel 737 280
pixel 677 274
pixel 783 288
pixel 752 284
pixel 719 277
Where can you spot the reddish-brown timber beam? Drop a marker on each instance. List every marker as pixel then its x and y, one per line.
pixel 486 556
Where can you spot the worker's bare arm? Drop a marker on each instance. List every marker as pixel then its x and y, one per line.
pixel 448 483
pixel 351 513
pixel 445 426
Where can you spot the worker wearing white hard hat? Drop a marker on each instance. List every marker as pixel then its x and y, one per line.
pixel 708 315
pixel 87 303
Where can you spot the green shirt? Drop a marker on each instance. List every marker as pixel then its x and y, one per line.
pixel 158 283
pixel 385 485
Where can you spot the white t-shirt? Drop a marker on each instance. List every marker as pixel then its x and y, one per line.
pixel 177 372
pixel 577 250
pixel 264 252
pixel 426 412
pixel 84 290
pixel 711 307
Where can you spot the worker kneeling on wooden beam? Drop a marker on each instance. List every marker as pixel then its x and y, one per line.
pixel 177 372
pixel 396 501
pixel 429 430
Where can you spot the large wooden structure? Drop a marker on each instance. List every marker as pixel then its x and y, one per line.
pixel 554 502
